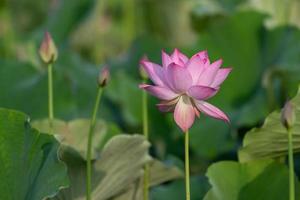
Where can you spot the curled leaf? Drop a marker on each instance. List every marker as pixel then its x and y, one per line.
pixel 121 163
pixel 74 133
pixel 29 164
pixel 271 140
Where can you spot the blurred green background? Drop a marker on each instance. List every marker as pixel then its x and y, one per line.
pixel 260 39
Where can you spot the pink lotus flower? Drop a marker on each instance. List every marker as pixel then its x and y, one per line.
pixel 185 84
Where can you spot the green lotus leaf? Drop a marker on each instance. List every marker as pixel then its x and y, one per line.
pixel 271 140
pixel 74 133
pixel 260 180
pixel 29 164
pixel 159 173
pixel 121 163
pixel 176 189
pixel 280 12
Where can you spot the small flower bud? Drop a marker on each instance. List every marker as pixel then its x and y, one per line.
pixel 143 73
pixel 103 77
pixel 48 51
pixel 288 116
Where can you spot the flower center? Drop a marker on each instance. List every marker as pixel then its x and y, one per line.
pixel 186 99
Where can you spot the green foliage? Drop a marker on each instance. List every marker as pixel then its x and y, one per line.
pixel 30 168
pixel 66 17
pixel 281 12
pixel 241 33
pixel 271 140
pixel 261 180
pixel 265 57
pixel 210 137
pixel 254 37
pixel 176 190
pixel 74 85
pixel 74 133
pixel 121 163
pixel 125 152
pixel 118 173
pixel 159 173
pixel 124 91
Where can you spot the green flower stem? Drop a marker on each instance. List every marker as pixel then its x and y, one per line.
pixel 50 97
pixel 146 134
pixel 291 166
pixel 187 166
pixel 89 145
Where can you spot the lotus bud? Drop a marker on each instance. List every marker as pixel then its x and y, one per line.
pixel 143 73
pixel 48 50
pixel 103 77
pixel 288 116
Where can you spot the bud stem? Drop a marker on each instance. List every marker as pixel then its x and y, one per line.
pixel 291 165
pixel 146 134
pixel 50 97
pixel 89 145
pixel 187 166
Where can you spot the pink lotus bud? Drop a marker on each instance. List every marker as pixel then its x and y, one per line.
pixel 48 51
pixel 143 73
pixel 103 77
pixel 288 116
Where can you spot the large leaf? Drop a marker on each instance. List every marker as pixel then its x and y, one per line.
pixel 206 11
pixel 176 189
pixel 241 32
pixel 281 12
pixel 26 12
pixel 74 87
pixel 271 140
pixel 74 133
pixel 121 164
pixel 260 51
pixel 66 16
pixel 280 53
pixel 210 137
pixel 124 91
pixel 259 180
pixel 266 58
pixel 131 188
pixel 159 173
pixel 29 164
